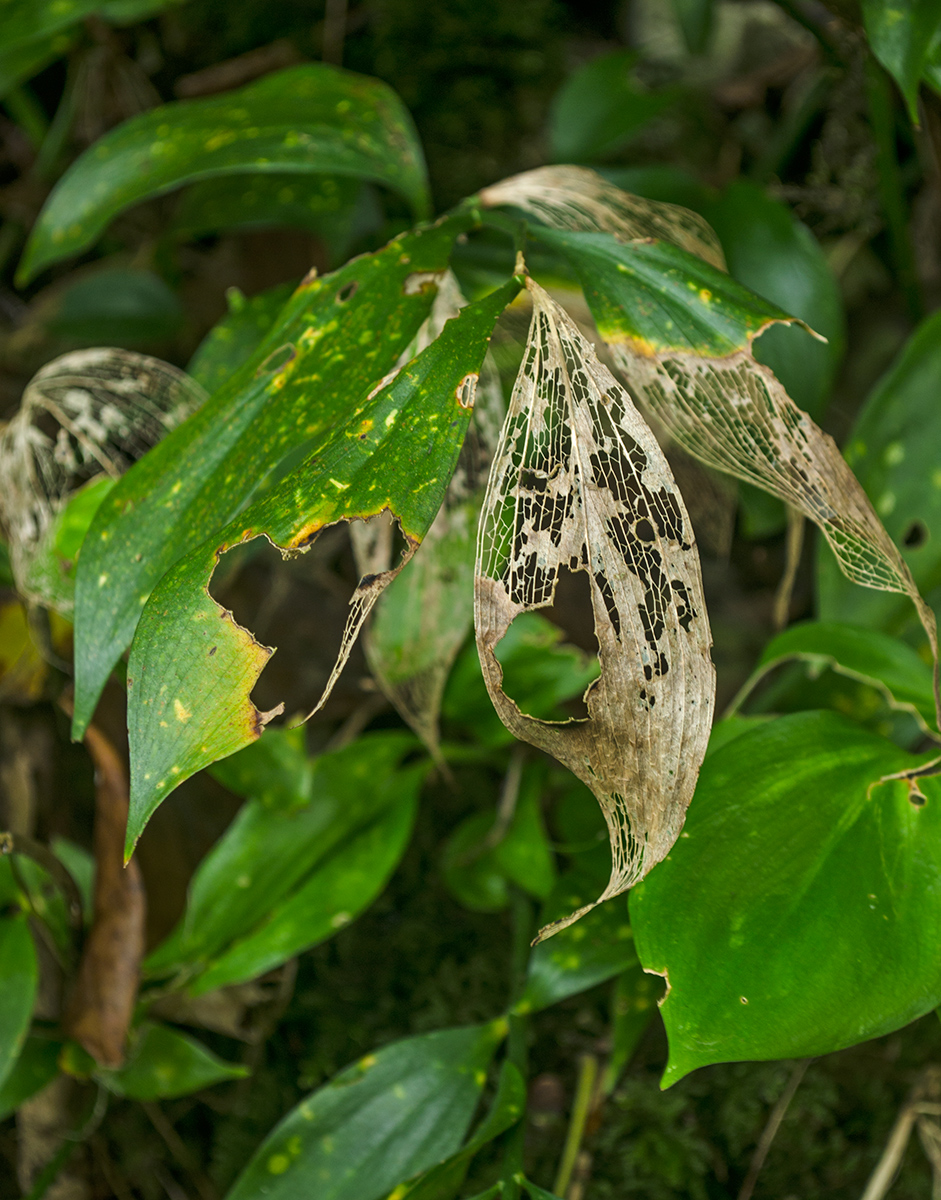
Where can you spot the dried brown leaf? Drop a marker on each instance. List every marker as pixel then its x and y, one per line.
pixel 579 482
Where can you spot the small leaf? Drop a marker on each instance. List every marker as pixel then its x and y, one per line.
pixel 575 198
pixel 298 120
pixel 597 948
pixel 235 337
pixel 37 1065
pixel 901 33
pixel 335 339
pixel 580 483
pixel 600 107
pixel 395 452
pixel 25 21
pixel 20 975
pixel 86 416
pixel 809 896
pixel 864 654
pixel 393 1114
pixel 698 377
pixel 164 1063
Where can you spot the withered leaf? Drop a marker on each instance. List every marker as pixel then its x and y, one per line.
pixel 105 989
pixel 580 483
pixel 580 199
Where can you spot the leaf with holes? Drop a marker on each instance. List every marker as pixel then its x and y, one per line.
pixel 332 342
pixel 310 119
pixel 680 333
pixel 579 483
pixel 394 451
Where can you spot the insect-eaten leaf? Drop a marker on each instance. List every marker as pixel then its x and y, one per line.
pixel 580 483
pixel 395 452
pixel 84 419
pixel 577 198
pixel 423 618
pixel 681 335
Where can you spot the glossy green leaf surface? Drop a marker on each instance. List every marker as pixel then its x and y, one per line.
pixel 301 813
pixel 893 452
pixel 863 654
pixel 900 34
pixel 599 108
pixel 37 1065
pixel 391 1115
pixel 657 297
pixel 396 451
pixel 19 973
pixel 777 257
pixel 164 1063
pixel 309 119
pixel 444 1181
pixel 235 337
pixel 810 898
pixel 594 949
pixel 333 341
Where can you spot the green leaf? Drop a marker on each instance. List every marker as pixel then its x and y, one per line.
pixel 19 973
pixel 37 1065
pixel 80 864
pixel 534 1192
pixel 49 576
pixel 396 450
pixel 808 894
pixel 334 340
pixel 635 999
pixel 597 947
pixel 310 119
pixel 379 1122
pixel 600 107
pixel 234 338
pixel 21 62
pixel 778 258
pixel 893 453
pixel 695 20
pixel 443 1182
pixel 480 861
pixel 640 295
pixel 26 21
pixel 304 820
pixel 900 34
pixel 864 654
pixel 116 306
pixel 336 209
pixel 164 1063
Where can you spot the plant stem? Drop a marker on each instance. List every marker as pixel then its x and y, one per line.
pixel 584 1095
pixel 516 1048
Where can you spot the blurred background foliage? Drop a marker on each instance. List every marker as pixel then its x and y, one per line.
pixel 769 119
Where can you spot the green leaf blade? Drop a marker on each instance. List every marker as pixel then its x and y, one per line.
pixel 165 1063
pixel 20 974
pixel 312 119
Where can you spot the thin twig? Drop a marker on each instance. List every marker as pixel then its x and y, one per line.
pixel 581 1107
pixel 795 543
pixel 882 1177
pixel 509 795
pixel 768 1134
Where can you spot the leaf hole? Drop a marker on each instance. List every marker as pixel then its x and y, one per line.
pixel 916 535
pixel 277 360
pixel 348 291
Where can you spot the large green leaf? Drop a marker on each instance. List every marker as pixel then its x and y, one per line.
pixel 808 893
pixel 37 1065
pixel 19 975
pixel 334 340
pixel 600 107
pixel 900 33
pixel 378 1123
pixel 282 839
pixel 863 654
pixel 594 949
pixel 893 451
pixel 310 119
pixel 164 1063
pixel 192 668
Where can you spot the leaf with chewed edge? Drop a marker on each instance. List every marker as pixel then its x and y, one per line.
pixel 579 483
pixel 192 668
pixel 334 339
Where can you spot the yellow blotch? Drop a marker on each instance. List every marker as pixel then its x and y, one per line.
pixel 183 714
pixel 705 295
pixel 278 1164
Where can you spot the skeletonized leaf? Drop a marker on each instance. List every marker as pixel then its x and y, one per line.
pixel 88 414
pixel 681 334
pixel 420 622
pixel 579 482
pixel 578 198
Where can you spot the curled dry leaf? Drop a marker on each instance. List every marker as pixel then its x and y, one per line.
pixel 579 482
pixel 105 990
pixel 420 622
pixel 88 414
pixel 580 199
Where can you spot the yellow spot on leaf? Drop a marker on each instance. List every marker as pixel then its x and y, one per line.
pixel 182 712
pixel 278 1164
